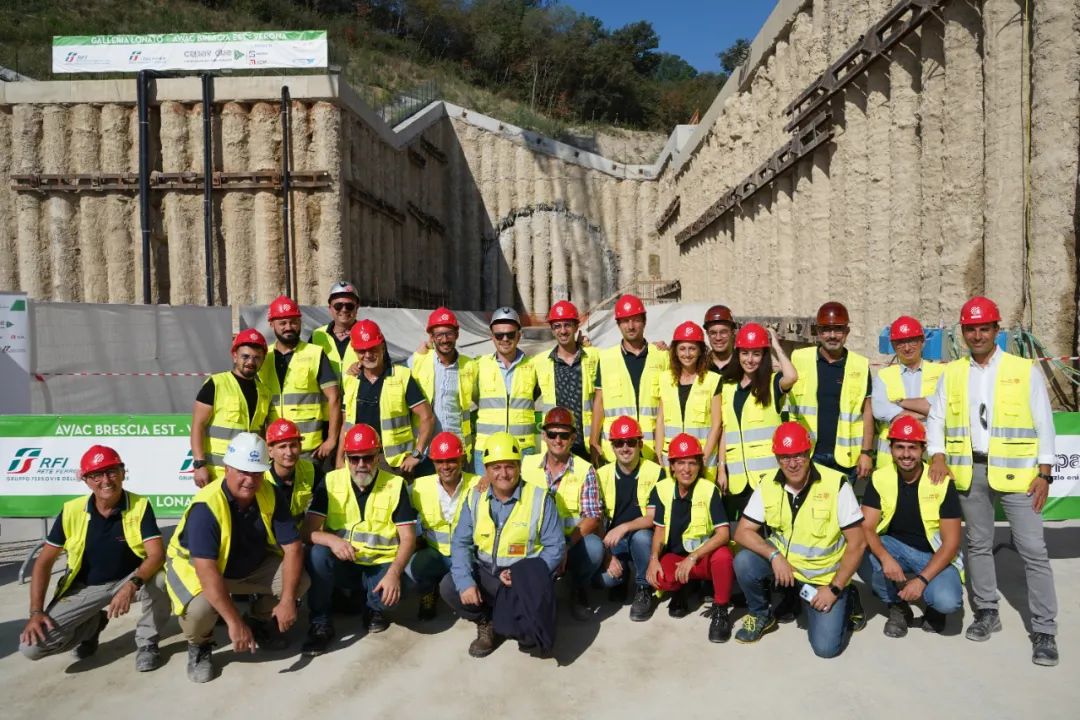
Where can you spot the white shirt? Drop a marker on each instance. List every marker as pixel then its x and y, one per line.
pixel 981 383
pixel 884 409
pixel 447 502
pixel 848 511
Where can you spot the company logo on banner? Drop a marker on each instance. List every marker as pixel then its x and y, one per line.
pixel 23 463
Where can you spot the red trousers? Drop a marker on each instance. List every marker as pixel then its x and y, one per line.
pixel 718 566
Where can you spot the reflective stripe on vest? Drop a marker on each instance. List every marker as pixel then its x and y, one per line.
pixel 437 529
pixel 648 474
pixel 395 425
pixel 75 520
pixel 339 363
pixel 701 526
pixel 567 494
pixel 423 372
pixel 748 439
pixel 815 545
pixel 892 378
pixel 620 398
pixel 1012 461
pixel 229 416
pixel 303 487
pixel 499 411
pixel 802 401
pixel 181 580
pixel 519 537
pixel 375 537
pixel 299 398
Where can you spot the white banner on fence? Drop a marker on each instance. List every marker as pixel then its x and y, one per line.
pixel 14 353
pixel 189 51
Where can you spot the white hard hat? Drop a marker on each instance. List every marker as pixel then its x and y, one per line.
pixel 247 452
pixel 505 314
pixel 343 287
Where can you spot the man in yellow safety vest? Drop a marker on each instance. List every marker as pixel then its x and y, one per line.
pixel 566 373
pixel 293 477
pixel 334 337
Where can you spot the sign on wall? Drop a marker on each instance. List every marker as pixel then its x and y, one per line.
pixel 194 52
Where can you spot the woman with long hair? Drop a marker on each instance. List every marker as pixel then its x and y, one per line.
pixel 752 398
pixel 690 396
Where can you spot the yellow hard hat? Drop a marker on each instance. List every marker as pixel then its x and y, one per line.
pixel 501 447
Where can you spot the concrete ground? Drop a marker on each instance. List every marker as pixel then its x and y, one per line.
pixel 609 667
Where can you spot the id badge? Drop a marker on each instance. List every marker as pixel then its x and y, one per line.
pixel 516 549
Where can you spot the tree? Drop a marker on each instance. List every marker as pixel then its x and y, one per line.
pixel 734 56
pixel 672 68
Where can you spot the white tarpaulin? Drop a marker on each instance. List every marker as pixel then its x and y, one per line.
pixel 195 52
pixel 14 353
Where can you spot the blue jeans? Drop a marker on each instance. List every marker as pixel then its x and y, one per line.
pixel 945 593
pixel 327 572
pixel 478 459
pixel 583 560
pixel 426 569
pixel 633 548
pixel 826 629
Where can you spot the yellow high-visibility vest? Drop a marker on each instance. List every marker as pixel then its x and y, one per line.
pixel 75 519
pixel 545 378
pixel 748 440
pixel 437 528
pixel 620 399
pixel 701 526
pixel 500 411
pixel 648 474
pixel 802 401
pixel 375 537
pixel 299 398
pixel 697 419
pixel 423 372
pixel 395 425
pixel 303 486
pixel 520 536
pixel 892 378
pixel 230 417
pixel 568 495
pixel 340 363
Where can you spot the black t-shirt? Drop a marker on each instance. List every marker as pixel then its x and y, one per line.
pixel 285 490
pixel 680 516
pixel 830 381
pixel 404 513
pixel 367 399
pixel 626 507
pixel 906 524
pixel 107 556
pixel 247 387
pixel 635 366
pixel 684 394
pixel 325 374
pixel 342 344
pixel 740 394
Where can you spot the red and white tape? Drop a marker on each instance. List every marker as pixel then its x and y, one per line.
pixel 40 377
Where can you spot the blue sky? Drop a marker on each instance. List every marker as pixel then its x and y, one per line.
pixel 695 29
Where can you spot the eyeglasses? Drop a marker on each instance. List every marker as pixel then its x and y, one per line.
pixel 448 335
pixel 630 443
pixel 247 357
pixel 344 307
pixel 568 325
pixel 505 335
pixel 552 435
pixel 791 459
pixel 112 473
pixel 361 459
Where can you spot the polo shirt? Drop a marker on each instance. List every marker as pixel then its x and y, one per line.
pixel 906 524
pixel 684 393
pixel 848 512
pixel 830 380
pixel 107 557
pixel 248 545
pixel 342 344
pixel 680 516
pixel 284 490
pixel 367 397
pixel 247 387
pixel 635 365
pixel 740 394
pixel 626 508
pixel 404 513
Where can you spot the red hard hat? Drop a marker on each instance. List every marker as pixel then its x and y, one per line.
pixel 281 430
pixel 99 457
pixel 629 306
pixel 361 439
pixel 440 317
pixel 979 310
pixel 282 307
pixel 251 336
pixel 905 327
pixel 907 428
pixel 365 335
pixel 718 314
pixel 684 445
pixel 445 446
pixel 752 337
pixel 688 332
pixel 790 438
pixel 562 310
pixel 624 428
pixel 832 313
pixel 558 417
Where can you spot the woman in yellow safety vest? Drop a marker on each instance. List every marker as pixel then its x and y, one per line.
pixel 690 396
pixel 752 397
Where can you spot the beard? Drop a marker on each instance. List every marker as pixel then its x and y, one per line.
pixel 363 479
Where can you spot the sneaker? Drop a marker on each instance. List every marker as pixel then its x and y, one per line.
pixel 986 623
pixel 266 634
pixel 1044 649
pixel 377 622
pixel 789 607
pixel 645 602
pixel 486 640
pixel 856 615
pixel 580 609
pixel 427 609
pixel 148 658
pixel 900 617
pixel 678 607
pixel 88 647
pixel 318 639
pixel 720 625
pixel 933 621
pixel 753 628
pixel 200 667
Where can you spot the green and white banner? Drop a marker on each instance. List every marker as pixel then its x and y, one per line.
pixel 39 459
pixel 194 52
pixel 1064 502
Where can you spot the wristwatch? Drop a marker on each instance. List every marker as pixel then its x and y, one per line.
pixel 197 464
pixel 136 581
pixel 872 454
pixel 418 454
pixel 835 590
pixel 1047 477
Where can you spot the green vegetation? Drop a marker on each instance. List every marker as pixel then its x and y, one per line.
pixel 536 63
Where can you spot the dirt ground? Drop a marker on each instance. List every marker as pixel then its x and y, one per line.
pixel 609 667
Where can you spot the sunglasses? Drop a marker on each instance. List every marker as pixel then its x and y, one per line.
pixel 505 335
pixel 631 443
pixel 344 306
pixel 552 435
pixel 361 459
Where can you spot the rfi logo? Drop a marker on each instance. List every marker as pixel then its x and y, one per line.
pixel 976 312
pixel 97 459
pixel 444 446
pixel 787 442
pixel 751 336
pixel 904 328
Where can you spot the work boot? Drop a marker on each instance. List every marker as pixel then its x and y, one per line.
pixel 933 621
pixel 753 628
pixel 427 609
pixel 266 633
pixel 678 606
pixel 986 622
pixel 856 615
pixel 720 625
pixel 900 617
pixel 318 639
pixel 580 609
pixel 788 609
pixel 88 647
pixel 147 658
pixel 200 667
pixel 1044 649
pixel 486 640
pixel 644 604
pixel 376 622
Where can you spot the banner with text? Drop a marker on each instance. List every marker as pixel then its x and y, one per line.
pixel 195 52
pixel 39 459
pixel 1064 501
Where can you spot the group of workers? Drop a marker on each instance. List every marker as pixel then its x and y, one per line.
pixel 712 461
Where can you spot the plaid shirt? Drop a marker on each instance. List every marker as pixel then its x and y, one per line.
pixel 591 505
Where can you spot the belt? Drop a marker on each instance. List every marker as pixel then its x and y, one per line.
pixel 978 457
